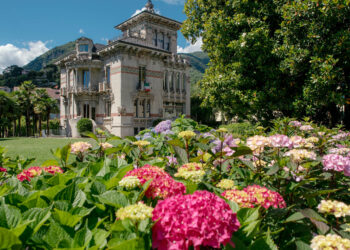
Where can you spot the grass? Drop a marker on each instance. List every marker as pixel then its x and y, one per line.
pixel 38 148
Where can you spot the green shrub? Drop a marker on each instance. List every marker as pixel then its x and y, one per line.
pixel 84 125
pixel 54 124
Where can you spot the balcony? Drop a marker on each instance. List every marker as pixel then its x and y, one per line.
pixel 144 86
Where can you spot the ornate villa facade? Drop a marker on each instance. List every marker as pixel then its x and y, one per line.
pixel 130 82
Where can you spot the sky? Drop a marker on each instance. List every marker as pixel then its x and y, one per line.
pixel 30 28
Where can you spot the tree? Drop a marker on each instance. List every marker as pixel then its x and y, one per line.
pixel 26 102
pixel 40 101
pixel 264 62
pixel 8 108
pixel 51 107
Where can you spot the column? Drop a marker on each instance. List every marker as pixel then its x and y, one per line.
pixel 89 78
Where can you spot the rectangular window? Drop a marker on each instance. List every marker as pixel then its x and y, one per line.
pixel 142 75
pixel 178 82
pixel 136 131
pixel 93 113
pixel 86 111
pixel 136 108
pixel 148 108
pixel 108 75
pixel 165 81
pixel 83 48
pixel 167 43
pixel 108 109
pixel 142 108
pixel 161 40
pixel 86 78
pixel 155 38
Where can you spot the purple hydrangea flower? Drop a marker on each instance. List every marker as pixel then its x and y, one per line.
pixel 163 126
pixel 172 160
pixel 336 162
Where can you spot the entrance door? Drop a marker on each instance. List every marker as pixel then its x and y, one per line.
pixel 93 113
pixel 86 111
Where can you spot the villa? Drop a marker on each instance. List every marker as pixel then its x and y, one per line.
pixel 130 82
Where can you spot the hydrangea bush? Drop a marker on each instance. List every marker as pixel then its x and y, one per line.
pixel 182 185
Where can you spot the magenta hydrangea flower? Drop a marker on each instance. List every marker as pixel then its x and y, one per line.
pixel 200 219
pixel 3 169
pixel 163 126
pixel 280 141
pixel 162 185
pixel 335 162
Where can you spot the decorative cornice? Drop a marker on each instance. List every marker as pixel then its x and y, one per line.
pixel 149 16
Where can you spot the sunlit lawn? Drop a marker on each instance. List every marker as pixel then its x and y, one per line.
pixel 38 148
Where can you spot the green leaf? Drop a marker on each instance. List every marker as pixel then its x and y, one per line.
pixel 56 234
pixel 10 216
pixel 242 150
pixel 100 237
pixel 143 225
pixel 301 245
pixel 39 215
pixel 273 170
pixel 91 135
pixel 113 182
pixel 68 193
pixel 113 198
pixel 316 219
pixel 233 205
pixel 79 199
pixel 83 237
pixel 176 142
pixel 181 155
pixel 145 187
pixel 8 239
pixel 132 244
pixel 295 217
pixel 50 163
pixel 66 218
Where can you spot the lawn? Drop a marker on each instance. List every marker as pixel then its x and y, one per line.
pixel 38 148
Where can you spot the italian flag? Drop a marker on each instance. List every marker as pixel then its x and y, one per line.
pixel 147 87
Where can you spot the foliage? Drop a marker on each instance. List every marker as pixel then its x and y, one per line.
pixel 79 208
pixel 84 125
pixel 273 58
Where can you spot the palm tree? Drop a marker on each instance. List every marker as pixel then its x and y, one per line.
pixel 26 90
pixel 51 107
pixel 40 104
pixel 7 111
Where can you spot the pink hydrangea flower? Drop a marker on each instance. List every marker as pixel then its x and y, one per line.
pixel 295 123
pixel 280 141
pixel 306 128
pixel 28 174
pixel 53 169
pixel 162 185
pixel 335 162
pixel 3 169
pixel 200 219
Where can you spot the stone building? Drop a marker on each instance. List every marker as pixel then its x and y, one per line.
pixel 130 82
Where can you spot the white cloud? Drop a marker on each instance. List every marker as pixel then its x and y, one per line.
pixel 197 46
pixel 81 31
pixel 12 55
pixel 144 8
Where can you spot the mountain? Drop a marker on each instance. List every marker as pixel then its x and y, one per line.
pixel 199 62
pixel 50 56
